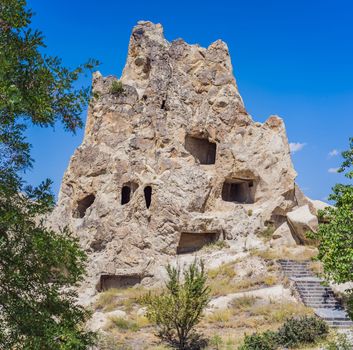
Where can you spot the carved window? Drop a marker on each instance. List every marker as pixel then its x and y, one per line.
pixel 148 195
pixel 203 150
pixel 240 191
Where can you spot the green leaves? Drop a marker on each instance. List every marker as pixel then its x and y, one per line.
pixel 39 268
pixel 179 308
pixel 336 234
pixel 33 86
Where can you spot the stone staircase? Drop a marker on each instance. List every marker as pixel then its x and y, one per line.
pixel 315 294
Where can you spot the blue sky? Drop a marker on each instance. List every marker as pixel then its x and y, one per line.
pixel 290 58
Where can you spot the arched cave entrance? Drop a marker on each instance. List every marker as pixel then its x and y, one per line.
pixel 202 149
pixel 83 205
pixel 192 241
pixel 148 195
pixel 127 191
pixel 239 191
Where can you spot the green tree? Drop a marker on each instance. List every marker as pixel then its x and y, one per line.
pixel 39 268
pixel 178 309
pixel 335 235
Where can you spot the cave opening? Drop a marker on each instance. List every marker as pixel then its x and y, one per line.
pixel 127 191
pixel 203 150
pixel 240 191
pixel 192 241
pixel 117 281
pixel 125 195
pixel 148 195
pixel 83 205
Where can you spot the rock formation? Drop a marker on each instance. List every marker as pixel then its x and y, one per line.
pixel 171 161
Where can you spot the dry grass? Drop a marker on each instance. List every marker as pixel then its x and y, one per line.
pixel 220 316
pixel 256 282
pixel 306 253
pixel 119 298
pixel 316 267
pixel 226 271
pixel 222 280
pixel 133 323
pixel 279 312
pixel 244 302
pixel 217 245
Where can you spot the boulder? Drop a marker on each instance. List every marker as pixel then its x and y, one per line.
pixel 283 237
pixel 302 220
pixel 318 205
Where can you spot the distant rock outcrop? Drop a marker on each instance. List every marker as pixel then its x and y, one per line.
pixel 171 161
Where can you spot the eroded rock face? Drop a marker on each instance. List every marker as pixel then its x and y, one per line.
pixel 173 155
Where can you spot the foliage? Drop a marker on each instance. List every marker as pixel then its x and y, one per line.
pixel 216 342
pixel 38 267
pixel 124 324
pixel 341 342
pixel 306 329
pixel 267 233
pixel 33 87
pixel 260 341
pixel 294 331
pixel 335 236
pixel 179 308
pixel 117 87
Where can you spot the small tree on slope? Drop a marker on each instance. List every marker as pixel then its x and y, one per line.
pixel 178 309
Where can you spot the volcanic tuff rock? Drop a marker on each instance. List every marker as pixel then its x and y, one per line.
pixel 171 161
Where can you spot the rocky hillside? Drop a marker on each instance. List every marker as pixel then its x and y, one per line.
pixel 171 162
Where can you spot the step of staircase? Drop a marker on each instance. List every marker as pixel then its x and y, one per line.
pixel 314 294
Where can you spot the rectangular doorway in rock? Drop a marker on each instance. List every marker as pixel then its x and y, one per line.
pixel 240 191
pixel 117 281
pixel 192 241
pixel 202 149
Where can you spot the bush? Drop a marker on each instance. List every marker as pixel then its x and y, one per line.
pixel 340 343
pixel 117 87
pixel 260 341
pixel 216 342
pixel 124 324
pixel 179 308
pixel 306 329
pixel 295 331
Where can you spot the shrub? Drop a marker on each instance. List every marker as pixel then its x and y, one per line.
pixel 117 87
pixel 340 343
pixel 179 308
pixel 267 233
pixel 295 331
pixel 306 329
pixel 124 324
pixel 216 342
pixel 260 341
